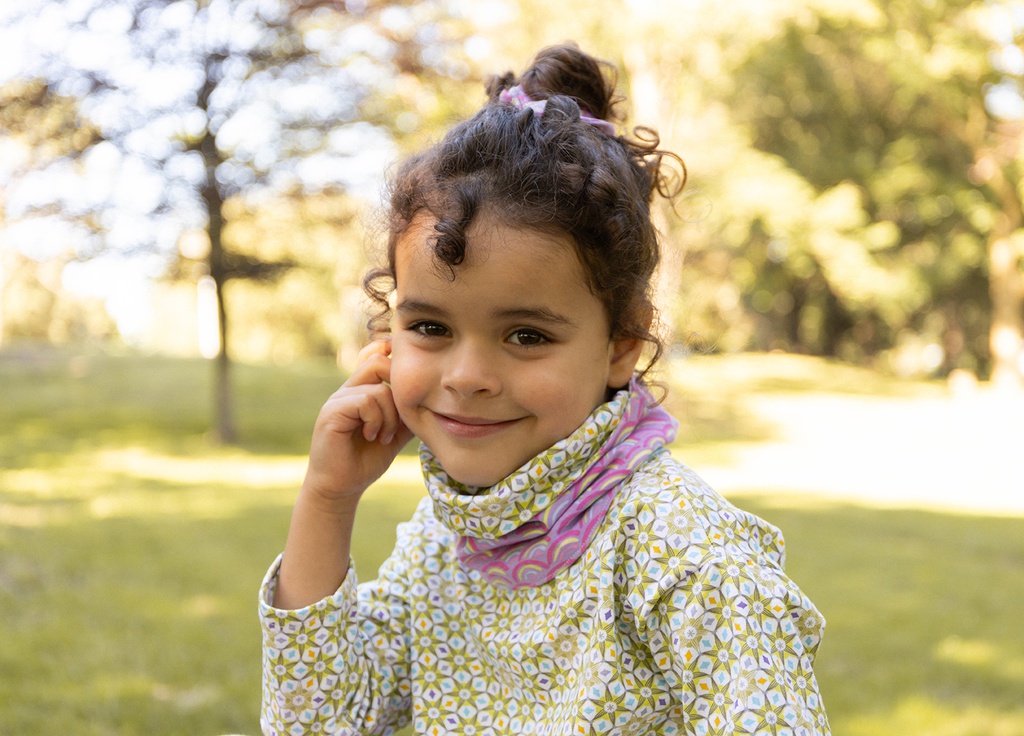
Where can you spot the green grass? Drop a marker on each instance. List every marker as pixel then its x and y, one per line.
pixel 131 550
pixel 923 612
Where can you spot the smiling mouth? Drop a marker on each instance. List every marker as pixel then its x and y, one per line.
pixel 471 427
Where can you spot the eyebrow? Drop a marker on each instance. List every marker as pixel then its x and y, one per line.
pixel 541 314
pixel 411 305
pixel 530 314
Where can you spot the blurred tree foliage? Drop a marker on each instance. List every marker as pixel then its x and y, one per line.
pixel 855 172
pixel 307 310
pixel 43 123
pixel 38 129
pixel 879 109
pixel 36 306
pixel 212 105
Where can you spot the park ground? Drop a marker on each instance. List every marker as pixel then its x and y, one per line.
pixel 131 547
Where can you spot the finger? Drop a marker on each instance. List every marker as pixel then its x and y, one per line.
pixel 393 425
pixel 375 369
pixel 369 410
pixel 379 346
pixel 390 420
pixel 371 414
pixel 360 413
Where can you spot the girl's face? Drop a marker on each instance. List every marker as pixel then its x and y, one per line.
pixel 509 358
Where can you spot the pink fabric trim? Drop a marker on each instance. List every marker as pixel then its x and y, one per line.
pixel 518 98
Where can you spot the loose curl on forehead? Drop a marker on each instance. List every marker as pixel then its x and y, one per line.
pixel 551 172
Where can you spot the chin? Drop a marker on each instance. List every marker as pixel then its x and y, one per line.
pixel 474 477
pixel 474 480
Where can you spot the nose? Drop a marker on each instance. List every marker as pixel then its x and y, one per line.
pixel 471 370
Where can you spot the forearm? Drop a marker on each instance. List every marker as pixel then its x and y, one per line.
pixel 316 553
pixel 324 665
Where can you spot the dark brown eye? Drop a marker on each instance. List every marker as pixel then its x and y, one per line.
pixel 429 329
pixel 527 338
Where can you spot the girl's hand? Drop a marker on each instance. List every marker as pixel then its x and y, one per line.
pixel 357 434
pixel 355 439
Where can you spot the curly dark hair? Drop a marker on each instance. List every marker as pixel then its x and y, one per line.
pixel 552 173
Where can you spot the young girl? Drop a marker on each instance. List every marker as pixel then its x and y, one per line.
pixel 565 575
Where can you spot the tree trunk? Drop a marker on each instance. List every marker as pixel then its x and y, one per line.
pixel 648 103
pixel 1006 288
pixel 1005 279
pixel 4 275
pixel 224 422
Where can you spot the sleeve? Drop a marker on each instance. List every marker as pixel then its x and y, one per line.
pixel 736 641
pixel 341 665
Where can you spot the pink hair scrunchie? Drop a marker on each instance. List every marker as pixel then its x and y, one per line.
pixel 517 98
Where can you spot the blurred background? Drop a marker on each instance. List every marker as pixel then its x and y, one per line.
pixel 189 196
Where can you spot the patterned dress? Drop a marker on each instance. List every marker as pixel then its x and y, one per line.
pixel 677 618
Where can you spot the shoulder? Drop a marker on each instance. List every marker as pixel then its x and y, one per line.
pixel 669 523
pixel 668 498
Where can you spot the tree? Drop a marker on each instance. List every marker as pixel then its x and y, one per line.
pixel 38 127
pixel 884 114
pixel 203 101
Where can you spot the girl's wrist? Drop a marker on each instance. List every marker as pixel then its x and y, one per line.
pixel 329 501
pixel 316 554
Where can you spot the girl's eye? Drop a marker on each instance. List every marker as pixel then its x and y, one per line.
pixel 429 329
pixel 527 338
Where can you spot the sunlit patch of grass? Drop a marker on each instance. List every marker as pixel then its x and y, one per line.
pixel 936 717
pixel 711 394
pixel 716 375
pixel 981 655
pixel 134 483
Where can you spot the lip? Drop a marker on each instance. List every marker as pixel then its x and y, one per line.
pixel 471 427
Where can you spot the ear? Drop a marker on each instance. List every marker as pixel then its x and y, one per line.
pixel 625 351
pixel 624 356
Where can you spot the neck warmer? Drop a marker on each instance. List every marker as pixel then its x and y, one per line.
pixel 526 528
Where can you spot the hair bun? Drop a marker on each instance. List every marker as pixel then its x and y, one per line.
pixel 566 70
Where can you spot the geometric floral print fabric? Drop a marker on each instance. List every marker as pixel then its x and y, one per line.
pixel 677 619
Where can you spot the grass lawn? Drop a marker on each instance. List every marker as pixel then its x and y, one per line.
pixel 131 548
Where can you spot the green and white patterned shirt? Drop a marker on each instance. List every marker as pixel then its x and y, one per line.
pixel 678 619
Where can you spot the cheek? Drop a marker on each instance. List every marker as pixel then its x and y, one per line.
pixel 564 400
pixel 408 379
